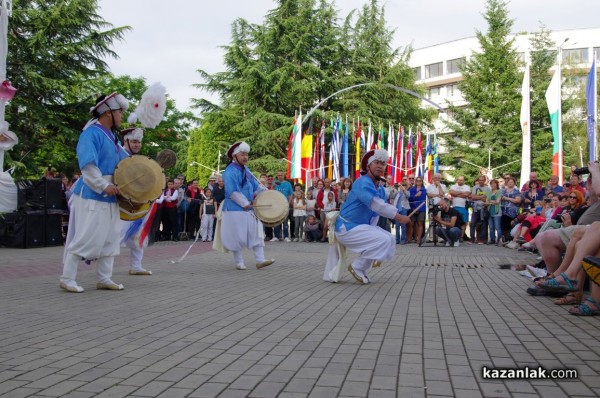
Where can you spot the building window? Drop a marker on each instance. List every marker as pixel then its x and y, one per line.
pixel 597 51
pixel 575 56
pixel 417 73
pixel 452 90
pixel 433 92
pixel 433 70
pixel 454 65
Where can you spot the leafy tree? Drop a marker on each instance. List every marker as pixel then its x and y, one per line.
pixel 491 87
pixel 297 57
pixel 56 48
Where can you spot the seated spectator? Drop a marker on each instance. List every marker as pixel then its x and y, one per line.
pixel 312 229
pixel 552 243
pixel 553 185
pixel 529 227
pixel 570 277
pixel 574 184
pixel 533 194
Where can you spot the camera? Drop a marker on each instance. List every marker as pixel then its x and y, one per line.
pixel 581 171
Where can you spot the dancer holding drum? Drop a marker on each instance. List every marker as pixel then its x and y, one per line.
pixel 132 142
pixel 356 226
pixel 239 226
pixel 93 232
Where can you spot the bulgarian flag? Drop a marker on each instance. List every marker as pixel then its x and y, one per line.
pixel 553 98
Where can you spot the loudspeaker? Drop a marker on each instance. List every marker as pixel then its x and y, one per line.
pixel 12 230
pixel 55 197
pixel 54 235
pixel 35 229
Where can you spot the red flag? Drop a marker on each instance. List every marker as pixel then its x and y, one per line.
pixel 399 158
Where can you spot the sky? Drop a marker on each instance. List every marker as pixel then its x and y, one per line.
pixel 171 40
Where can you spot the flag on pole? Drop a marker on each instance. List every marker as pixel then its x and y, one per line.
pixel 380 138
pixel 419 154
pixel 436 158
pixel 390 149
pixel 409 154
pixel 428 159
pixel 592 111
pixel 322 151
pixel 553 99
pixel 399 156
pixel 290 156
pixel 297 148
pixel 306 157
pixel 314 164
pixel 525 128
pixel 358 145
pixel 334 150
pixel 345 173
pixel 370 143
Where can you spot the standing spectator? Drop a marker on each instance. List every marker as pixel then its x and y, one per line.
pixel 330 205
pixel 299 204
pixel 417 199
pixel 436 190
pixel 480 215
pixel 194 197
pixel 345 191
pixel 533 176
pixel 285 188
pixel 494 197
pixel 169 213
pixel 403 205
pixel 182 205
pixel 322 197
pixel 212 182
pixel 310 204
pixel 218 195
pixel 460 193
pixel 511 201
pixel 208 216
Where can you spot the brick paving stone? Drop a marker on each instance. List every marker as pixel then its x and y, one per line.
pixel 202 329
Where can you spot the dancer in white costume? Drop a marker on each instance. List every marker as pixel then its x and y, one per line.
pixel 239 226
pixel 94 225
pixel 132 143
pixel 356 225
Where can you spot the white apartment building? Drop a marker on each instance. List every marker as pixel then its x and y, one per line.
pixel 437 66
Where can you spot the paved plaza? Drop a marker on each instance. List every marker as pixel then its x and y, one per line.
pixel 426 326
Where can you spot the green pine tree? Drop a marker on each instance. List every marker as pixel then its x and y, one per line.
pixel 491 87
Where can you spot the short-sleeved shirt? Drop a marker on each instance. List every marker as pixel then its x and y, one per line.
pixel 456 201
pixel 432 189
pixel 447 216
pixel 479 190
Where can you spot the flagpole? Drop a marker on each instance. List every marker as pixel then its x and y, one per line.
pixel 595 135
pixel 560 136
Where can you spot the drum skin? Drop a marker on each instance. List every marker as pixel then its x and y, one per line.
pixel 271 208
pixel 140 181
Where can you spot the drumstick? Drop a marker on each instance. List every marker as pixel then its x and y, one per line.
pixel 415 210
pixel 262 205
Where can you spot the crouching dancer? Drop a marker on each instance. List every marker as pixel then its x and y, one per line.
pixel 356 225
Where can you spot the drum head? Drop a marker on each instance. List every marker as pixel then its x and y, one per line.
pixel 271 207
pixel 139 179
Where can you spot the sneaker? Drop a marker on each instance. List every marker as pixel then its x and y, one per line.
pixel 287 239
pixel 472 241
pixel 457 243
pixel 526 274
pixel 512 245
pixel 536 272
pixel 447 244
pixel 480 242
pixel 240 266
pixel 274 240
